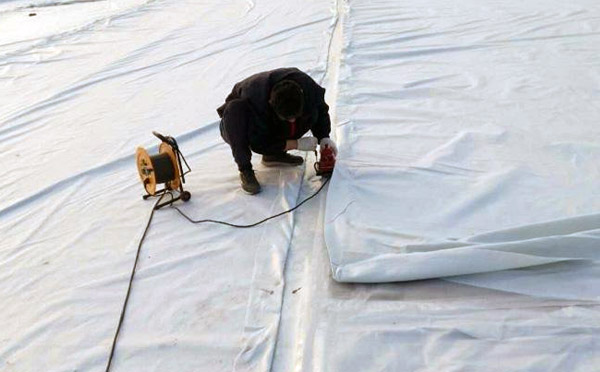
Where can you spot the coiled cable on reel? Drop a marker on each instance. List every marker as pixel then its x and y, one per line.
pixel 163 167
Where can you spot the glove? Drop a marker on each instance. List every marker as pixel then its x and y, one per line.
pixel 328 142
pixel 307 144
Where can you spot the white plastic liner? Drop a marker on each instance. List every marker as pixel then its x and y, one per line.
pixel 468 141
pixel 78 96
pixel 208 298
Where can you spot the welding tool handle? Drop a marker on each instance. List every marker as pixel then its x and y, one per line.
pixel 328 142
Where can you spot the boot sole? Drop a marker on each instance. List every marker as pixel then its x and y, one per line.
pixel 251 193
pixel 279 164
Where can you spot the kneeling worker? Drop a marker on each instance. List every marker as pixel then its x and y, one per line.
pixel 268 113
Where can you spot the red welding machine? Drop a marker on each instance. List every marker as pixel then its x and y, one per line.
pixel 324 166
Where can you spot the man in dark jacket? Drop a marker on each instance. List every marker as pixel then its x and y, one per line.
pixel 268 113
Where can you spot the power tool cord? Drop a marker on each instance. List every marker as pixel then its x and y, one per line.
pixel 256 223
pixel 139 248
pixel 124 308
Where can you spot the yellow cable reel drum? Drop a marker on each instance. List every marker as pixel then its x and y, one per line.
pixel 164 168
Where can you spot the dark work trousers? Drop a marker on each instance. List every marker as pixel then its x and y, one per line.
pixel 234 130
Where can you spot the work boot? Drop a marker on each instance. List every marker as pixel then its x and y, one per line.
pixel 249 182
pixel 281 159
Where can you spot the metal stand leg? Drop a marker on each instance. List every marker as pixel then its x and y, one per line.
pixel 159 206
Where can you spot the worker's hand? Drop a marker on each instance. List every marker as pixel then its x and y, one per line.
pixel 328 142
pixel 307 144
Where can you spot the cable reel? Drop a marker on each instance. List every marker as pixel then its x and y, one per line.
pixel 164 168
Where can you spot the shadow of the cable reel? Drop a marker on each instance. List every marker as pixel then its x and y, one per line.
pixel 164 168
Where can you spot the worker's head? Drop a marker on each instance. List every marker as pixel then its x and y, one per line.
pixel 287 99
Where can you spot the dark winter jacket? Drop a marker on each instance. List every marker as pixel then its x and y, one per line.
pixel 267 133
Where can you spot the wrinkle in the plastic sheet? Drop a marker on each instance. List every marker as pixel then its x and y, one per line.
pixel 267 283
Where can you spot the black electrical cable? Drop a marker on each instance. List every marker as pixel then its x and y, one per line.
pixel 139 248
pixel 124 308
pixel 256 223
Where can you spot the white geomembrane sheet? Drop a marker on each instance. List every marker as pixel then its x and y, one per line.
pixel 468 135
pixel 470 140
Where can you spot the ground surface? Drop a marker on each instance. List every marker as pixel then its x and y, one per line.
pixel 83 83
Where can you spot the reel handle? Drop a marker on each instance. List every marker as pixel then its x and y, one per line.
pixel 168 139
pixel 160 136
